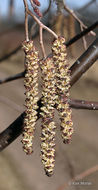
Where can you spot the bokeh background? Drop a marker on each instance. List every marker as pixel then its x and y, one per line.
pixel 21 172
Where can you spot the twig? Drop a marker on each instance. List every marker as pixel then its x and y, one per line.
pixel 80 177
pixel 68 43
pixel 80 66
pixel 75 16
pixel 3 58
pixel 41 25
pixel 81 34
pixel 11 7
pixel 15 129
pixel 26 21
pixel 12 78
pixel 41 42
pixel 83 38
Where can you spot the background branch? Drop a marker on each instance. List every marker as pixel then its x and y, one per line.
pixel 68 43
pixel 80 66
pixel 77 70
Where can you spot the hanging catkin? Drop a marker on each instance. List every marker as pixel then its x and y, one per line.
pixel 62 87
pixel 47 114
pixel 31 86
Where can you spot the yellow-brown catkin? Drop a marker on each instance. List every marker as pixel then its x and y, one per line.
pixel 31 86
pixel 62 88
pixel 47 114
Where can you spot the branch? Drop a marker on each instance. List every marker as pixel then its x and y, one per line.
pixel 3 58
pixel 26 21
pixel 82 64
pixel 80 177
pixel 83 104
pixel 75 16
pixel 12 78
pixel 68 43
pixel 15 129
pixel 85 61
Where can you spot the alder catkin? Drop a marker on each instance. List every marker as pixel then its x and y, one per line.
pixel 31 86
pixel 62 88
pixel 47 114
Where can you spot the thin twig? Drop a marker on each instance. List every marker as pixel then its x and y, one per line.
pixel 41 42
pixel 83 38
pixel 41 24
pixel 81 65
pixel 26 20
pixel 15 129
pixel 12 78
pixel 68 43
pixel 75 16
pixel 80 177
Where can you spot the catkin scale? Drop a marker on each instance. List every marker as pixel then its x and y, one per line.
pixel 47 114
pixel 31 86
pixel 62 88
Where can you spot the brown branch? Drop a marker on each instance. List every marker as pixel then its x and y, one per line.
pixel 84 39
pixel 26 20
pixel 68 43
pixel 15 129
pixel 77 70
pixel 75 16
pixel 41 24
pixel 81 65
pixel 83 104
pixel 85 61
pixel 80 177
pixel 12 78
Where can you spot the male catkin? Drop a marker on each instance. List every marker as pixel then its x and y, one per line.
pixel 47 114
pixel 62 87
pixel 31 86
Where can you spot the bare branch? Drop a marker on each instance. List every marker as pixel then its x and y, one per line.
pixel 15 129
pixel 26 20
pixel 68 43
pixel 83 104
pixel 75 16
pixel 85 61
pixel 80 177
pixel 12 78
pixel 80 66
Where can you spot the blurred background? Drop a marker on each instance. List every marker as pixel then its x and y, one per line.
pixel 21 172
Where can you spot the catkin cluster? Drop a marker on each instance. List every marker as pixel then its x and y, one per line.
pixel 62 87
pixel 47 114
pixel 31 86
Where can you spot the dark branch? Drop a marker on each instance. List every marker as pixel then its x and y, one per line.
pixel 12 78
pixel 83 104
pixel 68 43
pixel 16 128
pixel 77 70
pixel 10 54
pixel 85 61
